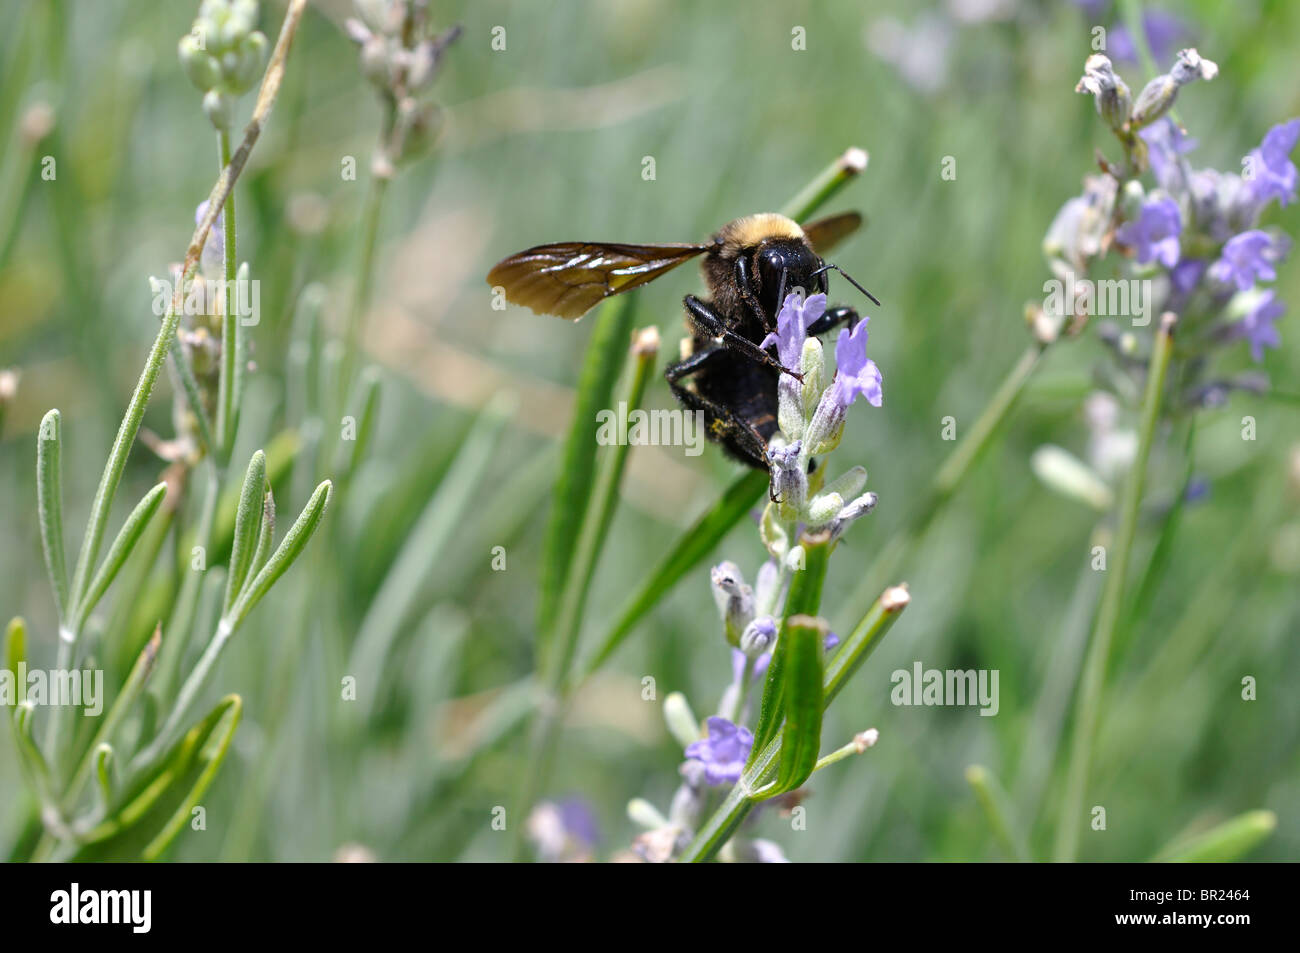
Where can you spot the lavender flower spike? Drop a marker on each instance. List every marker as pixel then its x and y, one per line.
pixel 797 312
pixel 724 752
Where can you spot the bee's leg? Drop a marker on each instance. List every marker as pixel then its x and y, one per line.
pixel 840 314
pixel 724 426
pixel 707 323
pixel 749 294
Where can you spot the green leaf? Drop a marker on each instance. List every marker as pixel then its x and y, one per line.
pixel 606 353
pixel 122 546
pixel 802 734
pixel 248 517
pixel 689 551
pixel 289 549
pixel 804 600
pixel 159 803
pixel 49 503
pixel 1227 842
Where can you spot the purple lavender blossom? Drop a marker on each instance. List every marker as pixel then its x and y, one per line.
pixel 1166 142
pixel 856 375
pixel 1248 257
pixel 830 642
pixel 1273 174
pixel 1257 325
pixel 792 323
pixel 723 753
pixel 1154 236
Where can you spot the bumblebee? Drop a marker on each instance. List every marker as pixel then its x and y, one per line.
pixel 749 267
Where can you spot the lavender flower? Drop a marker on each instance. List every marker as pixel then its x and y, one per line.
pixel 856 375
pixel 796 314
pixel 724 752
pixel 1248 257
pixel 1256 326
pixel 1166 144
pixel 1273 174
pixel 738 665
pixel 1154 235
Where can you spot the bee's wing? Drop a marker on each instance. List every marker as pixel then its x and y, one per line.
pixel 568 279
pixel 825 233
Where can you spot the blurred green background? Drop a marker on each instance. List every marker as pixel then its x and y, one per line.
pixel 545 141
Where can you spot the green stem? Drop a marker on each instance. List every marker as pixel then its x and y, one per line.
pixel 1088 706
pixel 829 181
pixel 370 215
pixel 994 802
pixel 231 334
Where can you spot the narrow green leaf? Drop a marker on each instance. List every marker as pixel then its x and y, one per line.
pixel 104 773
pixel 1227 842
pixel 15 643
pixel 124 542
pixel 801 737
pixel 993 800
pixel 49 503
pixel 606 353
pixel 121 707
pixel 266 535
pixel 289 549
pixel 213 754
pixel 804 600
pixel 600 513
pixel 157 804
pixel 247 518
pixel 689 551
pixel 352 452
pixel 193 396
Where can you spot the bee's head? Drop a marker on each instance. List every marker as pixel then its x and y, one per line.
pixel 783 265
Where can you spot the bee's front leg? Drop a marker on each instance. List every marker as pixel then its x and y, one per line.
pixel 706 322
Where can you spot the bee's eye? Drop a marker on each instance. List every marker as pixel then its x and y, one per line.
pixel 771 261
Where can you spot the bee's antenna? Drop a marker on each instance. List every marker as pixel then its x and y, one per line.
pixel 828 266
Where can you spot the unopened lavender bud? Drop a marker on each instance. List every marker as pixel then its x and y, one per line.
pixel 1156 99
pixel 248 62
pixel 220 109
pixel 766 587
pixel 795 559
pixel 789 481
pixel 681 721
pixel 1192 66
pixel 1111 93
pixel 1132 199
pixel 823 508
pixel 1158 96
pixel 758 636
pixel 813 368
pixel 826 428
pixel 735 600
pixel 853 511
pixel 201 67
